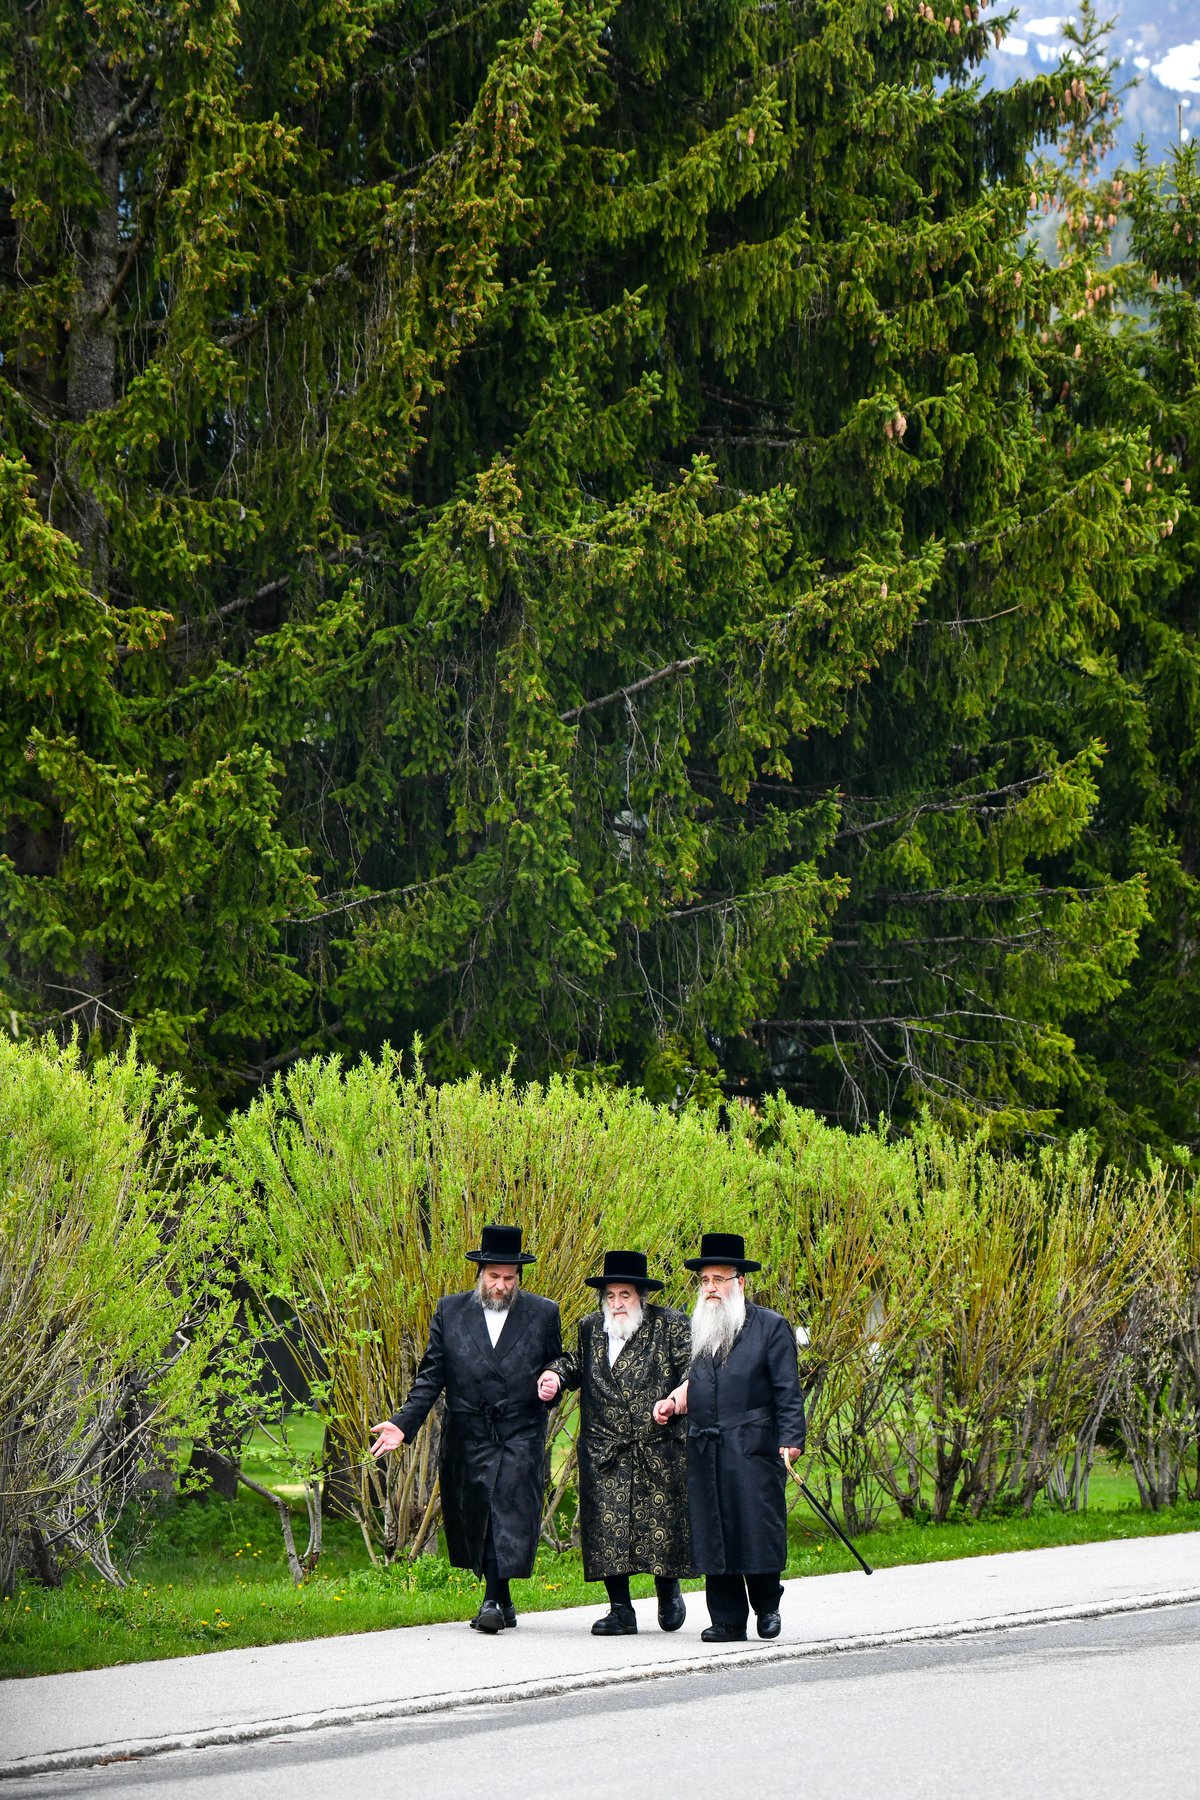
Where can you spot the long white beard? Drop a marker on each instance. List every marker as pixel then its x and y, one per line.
pixel 619 1331
pixel 716 1323
pixel 492 1302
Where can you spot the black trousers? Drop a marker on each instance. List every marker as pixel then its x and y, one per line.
pixel 665 1586
pixel 495 1586
pixel 730 1597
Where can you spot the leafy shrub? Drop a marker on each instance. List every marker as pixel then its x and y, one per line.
pixel 1156 1398
pixel 362 1189
pixel 114 1300
pixel 968 1320
pixel 960 1310
pixel 421 1575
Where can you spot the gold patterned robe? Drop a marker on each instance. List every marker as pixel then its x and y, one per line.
pixel 633 1497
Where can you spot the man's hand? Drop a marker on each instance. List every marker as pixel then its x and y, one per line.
pixel 789 1455
pixel 549 1385
pixel 387 1437
pixel 673 1406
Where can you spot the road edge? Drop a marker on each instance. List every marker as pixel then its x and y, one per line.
pixel 545 1687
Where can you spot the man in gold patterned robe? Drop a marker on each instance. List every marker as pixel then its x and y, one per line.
pixel 633 1498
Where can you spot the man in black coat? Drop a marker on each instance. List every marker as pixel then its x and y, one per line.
pixel 745 1428
pixel 486 1350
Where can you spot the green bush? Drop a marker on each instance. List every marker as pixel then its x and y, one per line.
pixel 1156 1398
pixel 114 1300
pixel 421 1575
pixel 969 1322
pixel 363 1188
pixel 964 1315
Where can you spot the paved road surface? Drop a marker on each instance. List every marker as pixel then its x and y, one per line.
pixel 277 1689
pixel 1100 1707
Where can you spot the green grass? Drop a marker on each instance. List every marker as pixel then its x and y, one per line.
pixel 264 1460
pixel 213 1577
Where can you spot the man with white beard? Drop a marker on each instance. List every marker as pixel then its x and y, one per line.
pixel 745 1427
pixel 633 1500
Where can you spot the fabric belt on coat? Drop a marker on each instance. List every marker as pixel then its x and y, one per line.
pixel 706 1436
pixel 492 1417
pixel 608 1447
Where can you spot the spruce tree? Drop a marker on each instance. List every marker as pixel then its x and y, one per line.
pixel 521 521
pixel 970 944
pixel 1134 315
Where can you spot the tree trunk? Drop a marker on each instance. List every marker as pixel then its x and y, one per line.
pixel 43 1564
pixel 339 1489
pixel 91 364
pixel 213 1472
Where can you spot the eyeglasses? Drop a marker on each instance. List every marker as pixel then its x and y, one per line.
pixel 716 1281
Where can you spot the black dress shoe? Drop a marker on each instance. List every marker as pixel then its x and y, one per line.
pixel 620 1622
pixel 510 1616
pixel 768 1624
pixel 671 1610
pixel 723 1634
pixel 489 1618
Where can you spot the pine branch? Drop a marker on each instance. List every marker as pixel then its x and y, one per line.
pixel 126 116
pixel 957 624
pixel 299 296
pixel 936 896
pixel 220 612
pixel 123 274
pixel 992 940
pixel 400 893
pixel 258 1072
pixel 910 1022
pixel 233 606
pixel 962 803
pixel 635 687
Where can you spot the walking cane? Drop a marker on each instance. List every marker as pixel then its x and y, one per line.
pixel 829 1520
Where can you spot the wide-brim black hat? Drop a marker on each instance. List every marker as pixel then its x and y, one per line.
pixel 500 1244
pixel 623 1265
pixel 727 1248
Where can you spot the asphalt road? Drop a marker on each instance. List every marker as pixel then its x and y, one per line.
pixel 1105 1706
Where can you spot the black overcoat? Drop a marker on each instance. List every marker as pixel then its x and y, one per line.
pixel 741 1413
pixel 633 1501
pixel 493 1452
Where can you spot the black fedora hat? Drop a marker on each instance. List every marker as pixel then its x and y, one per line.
pixel 500 1244
pixel 623 1265
pixel 725 1247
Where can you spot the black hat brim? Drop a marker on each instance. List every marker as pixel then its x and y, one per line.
pixel 519 1260
pixel 741 1264
pixel 637 1281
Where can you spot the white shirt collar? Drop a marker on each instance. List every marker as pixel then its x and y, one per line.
pixel 495 1322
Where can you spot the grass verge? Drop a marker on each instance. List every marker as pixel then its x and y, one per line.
pixel 210 1580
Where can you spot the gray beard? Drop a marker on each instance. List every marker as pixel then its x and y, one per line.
pixel 619 1331
pixel 716 1325
pixel 493 1302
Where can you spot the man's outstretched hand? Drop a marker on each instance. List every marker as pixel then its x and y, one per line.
pixel 387 1437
